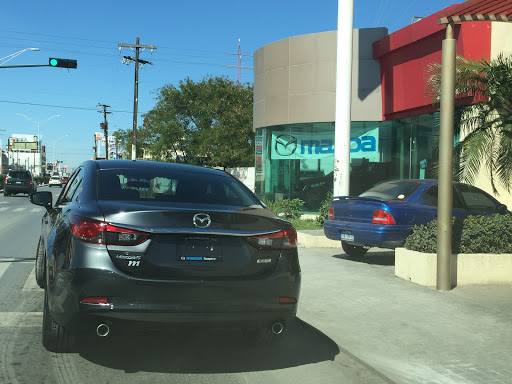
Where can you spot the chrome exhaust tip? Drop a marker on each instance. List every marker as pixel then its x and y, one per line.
pixel 102 330
pixel 277 328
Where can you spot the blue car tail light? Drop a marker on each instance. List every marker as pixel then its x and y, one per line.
pixel 382 217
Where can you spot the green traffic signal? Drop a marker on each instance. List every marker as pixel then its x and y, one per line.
pixel 62 63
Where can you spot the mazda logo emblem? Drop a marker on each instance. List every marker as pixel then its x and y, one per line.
pixel 202 220
pixel 286 145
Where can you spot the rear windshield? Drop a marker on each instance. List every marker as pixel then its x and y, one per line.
pixel 392 190
pixel 180 187
pixel 19 174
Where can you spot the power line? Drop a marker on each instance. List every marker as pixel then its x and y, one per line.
pixel 61 106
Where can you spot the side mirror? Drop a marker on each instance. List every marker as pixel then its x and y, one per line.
pixel 44 199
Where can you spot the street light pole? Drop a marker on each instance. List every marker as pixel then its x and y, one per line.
pixel 54 142
pixel 15 54
pixel 38 124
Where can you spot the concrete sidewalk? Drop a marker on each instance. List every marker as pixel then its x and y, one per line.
pixel 405 332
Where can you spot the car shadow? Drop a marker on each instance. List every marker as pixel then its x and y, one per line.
pixel 381 257
pixel 206 350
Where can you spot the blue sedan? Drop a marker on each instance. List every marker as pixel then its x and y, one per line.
pixel 384 215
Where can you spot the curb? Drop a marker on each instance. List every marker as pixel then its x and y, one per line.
pixel 315 239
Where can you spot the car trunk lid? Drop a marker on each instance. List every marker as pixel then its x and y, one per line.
pixel 192 240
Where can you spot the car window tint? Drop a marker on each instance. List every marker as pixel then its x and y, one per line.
pixel 19 174
pixel 181 187
pixel 392 190
pixel 476 200
pixel 74 186
pixel 430 196
pixel 70 189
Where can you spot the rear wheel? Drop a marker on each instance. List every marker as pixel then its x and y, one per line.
pixel 353 250
pixel 6 193
pixel 55 337
pixel 40 264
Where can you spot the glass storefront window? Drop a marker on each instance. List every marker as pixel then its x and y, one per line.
pixel 296 161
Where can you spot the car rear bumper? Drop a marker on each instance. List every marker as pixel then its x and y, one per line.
pixel 367 234
pixel 13 188
pixel 241 303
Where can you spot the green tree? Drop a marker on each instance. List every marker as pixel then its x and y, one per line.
pixel 486 125
pixel 207 123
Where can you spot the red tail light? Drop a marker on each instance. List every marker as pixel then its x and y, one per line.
pixel 99 232
pixel 382 217
pixel 95 300
pixel 285 239
pixel 330 213
pixel 287 300
pixel 30 182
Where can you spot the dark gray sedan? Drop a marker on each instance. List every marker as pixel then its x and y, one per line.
pixel 149 242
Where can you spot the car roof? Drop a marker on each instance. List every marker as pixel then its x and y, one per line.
pixel 144 164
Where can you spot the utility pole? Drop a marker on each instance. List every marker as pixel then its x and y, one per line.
pixel 105 125
pixel 128 60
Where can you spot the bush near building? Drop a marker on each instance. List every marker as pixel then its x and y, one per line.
pixel 474 234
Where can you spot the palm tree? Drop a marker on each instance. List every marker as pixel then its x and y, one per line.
pixel 486 125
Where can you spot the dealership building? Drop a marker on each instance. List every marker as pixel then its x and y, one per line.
pixel 394 122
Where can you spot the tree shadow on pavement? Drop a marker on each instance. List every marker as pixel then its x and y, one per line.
pixel 386 257
pixel 206 350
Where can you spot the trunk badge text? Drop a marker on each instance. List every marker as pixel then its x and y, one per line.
pixel 133 261
pixel 202 220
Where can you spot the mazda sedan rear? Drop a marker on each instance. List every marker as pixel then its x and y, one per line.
pixel 162 243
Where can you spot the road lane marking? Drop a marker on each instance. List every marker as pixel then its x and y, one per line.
pixel 31 283
pixel 4 209
pixel 36 209
pixel 3 268
pixel 12 319
pixel 4 202
pixel 19 209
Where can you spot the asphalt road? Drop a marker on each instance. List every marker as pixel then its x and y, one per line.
pixel 306 355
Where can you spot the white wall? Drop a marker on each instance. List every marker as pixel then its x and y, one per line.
pixel 244 174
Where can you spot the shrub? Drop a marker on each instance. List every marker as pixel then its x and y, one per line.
pixel 474 234
pixel 292 209
pixel 274 206
pixel 323 214
pixel 41 180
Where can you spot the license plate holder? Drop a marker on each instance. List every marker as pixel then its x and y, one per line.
pixel 346 236
pixel 201 250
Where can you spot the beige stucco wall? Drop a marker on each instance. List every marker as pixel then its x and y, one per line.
pixel 295 79
pixel 466 269
pixel 501 38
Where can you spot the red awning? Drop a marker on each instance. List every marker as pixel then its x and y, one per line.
pixel 478 10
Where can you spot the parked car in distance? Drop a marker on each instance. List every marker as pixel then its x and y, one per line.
pixel 64 180
pixel 142 241
pixel 55 181
pixel 384 215
pixel 18 181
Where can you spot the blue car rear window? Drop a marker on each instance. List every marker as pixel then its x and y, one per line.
pixel 180 187
pixel 392 190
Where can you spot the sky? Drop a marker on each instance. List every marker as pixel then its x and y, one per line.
pixel 192 39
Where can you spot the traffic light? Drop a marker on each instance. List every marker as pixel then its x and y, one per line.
pixel 62 63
